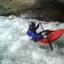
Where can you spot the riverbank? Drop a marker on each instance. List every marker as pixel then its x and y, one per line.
pixel 45 11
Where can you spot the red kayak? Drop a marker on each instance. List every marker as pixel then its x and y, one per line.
pixel 51 37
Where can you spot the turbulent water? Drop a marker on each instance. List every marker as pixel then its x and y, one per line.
pixel 17 48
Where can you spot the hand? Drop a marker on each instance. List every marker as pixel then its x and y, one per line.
pixel 45 36
pixel 38 22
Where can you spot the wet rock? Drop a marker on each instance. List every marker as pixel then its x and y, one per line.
pixel 39 9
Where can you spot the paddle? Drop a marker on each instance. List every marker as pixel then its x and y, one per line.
pixel 47 39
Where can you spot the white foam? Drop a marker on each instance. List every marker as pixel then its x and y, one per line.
pixel 17 48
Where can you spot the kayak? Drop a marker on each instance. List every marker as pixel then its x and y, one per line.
pixel 52 36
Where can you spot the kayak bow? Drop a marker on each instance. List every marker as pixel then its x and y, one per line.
pixel 52 36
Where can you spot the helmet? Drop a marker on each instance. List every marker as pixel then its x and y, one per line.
pixel 31 24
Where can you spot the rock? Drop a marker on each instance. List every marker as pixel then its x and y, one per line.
pixel 33 8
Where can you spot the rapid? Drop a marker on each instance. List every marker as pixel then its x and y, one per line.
pixel 17 48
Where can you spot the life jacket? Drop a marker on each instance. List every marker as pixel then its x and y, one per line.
pixel 33 34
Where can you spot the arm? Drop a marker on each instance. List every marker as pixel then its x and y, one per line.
pixel 37 27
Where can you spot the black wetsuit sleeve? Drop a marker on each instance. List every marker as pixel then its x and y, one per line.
pixel 37 27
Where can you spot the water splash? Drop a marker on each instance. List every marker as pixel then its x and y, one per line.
pixel 17 48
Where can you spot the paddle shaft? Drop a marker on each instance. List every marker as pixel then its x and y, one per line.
pixel 48 39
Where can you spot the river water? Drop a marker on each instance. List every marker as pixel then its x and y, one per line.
pixel 17 48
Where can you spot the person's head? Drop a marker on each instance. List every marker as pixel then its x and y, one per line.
pixel 32 25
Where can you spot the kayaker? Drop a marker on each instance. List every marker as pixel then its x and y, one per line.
pixel 32 31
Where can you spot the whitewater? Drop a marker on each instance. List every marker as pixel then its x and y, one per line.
pixel 17 48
